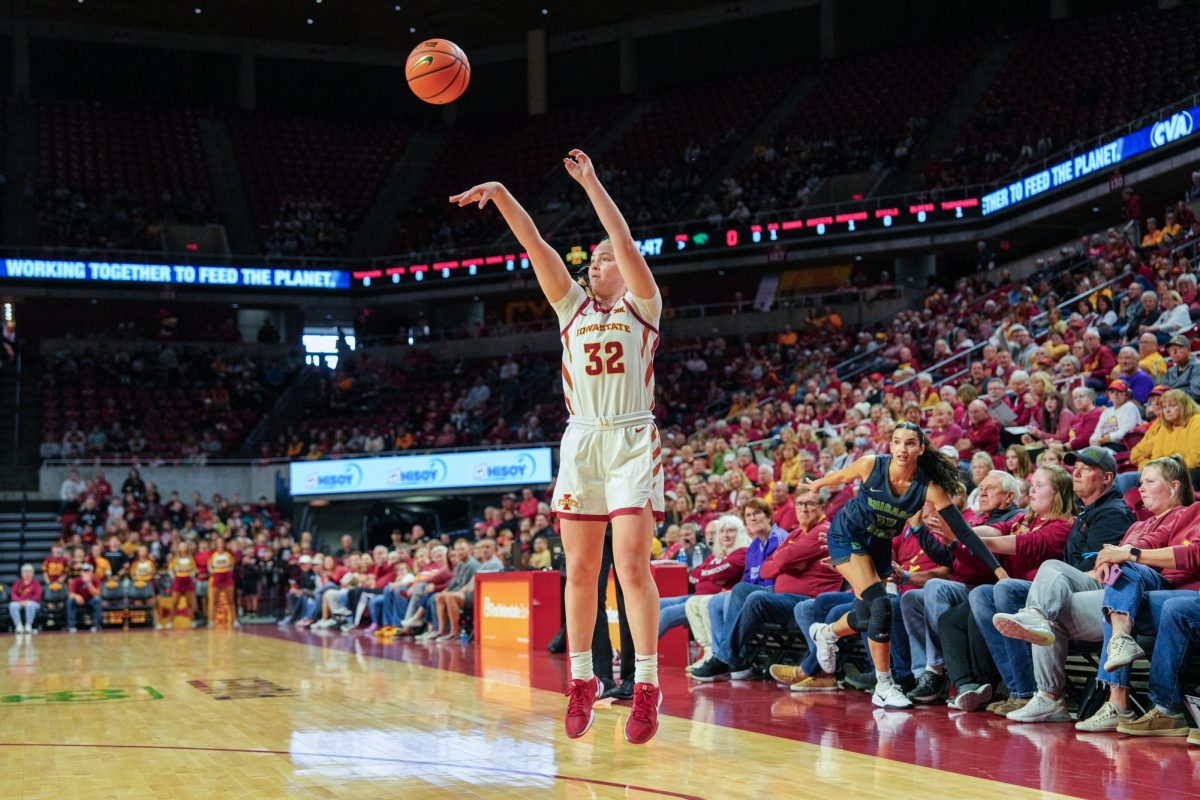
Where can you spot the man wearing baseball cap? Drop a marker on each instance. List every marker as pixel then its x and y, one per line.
pixel 1184 372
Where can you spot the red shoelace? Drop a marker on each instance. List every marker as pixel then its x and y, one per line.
pixel 644 701
pixel 577 697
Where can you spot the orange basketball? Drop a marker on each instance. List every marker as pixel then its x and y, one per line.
pixel 437 71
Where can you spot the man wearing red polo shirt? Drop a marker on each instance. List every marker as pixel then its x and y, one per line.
pixel 983 434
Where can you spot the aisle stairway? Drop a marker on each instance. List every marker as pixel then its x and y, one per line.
pixel 27 531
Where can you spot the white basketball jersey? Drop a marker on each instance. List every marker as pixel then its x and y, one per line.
pixel 608 354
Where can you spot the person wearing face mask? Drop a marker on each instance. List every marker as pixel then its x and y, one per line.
pixel 862 438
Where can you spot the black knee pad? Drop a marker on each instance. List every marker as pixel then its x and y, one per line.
pixel 860 615
pixel 879 627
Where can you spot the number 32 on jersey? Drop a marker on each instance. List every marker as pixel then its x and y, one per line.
pixel 612 363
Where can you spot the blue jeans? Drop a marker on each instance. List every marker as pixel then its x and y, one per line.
pixel 829 608
pixel 723 609
pixel 820 609
pixel 31 609
pixel 395 606
pixel 759 608
pixel 1135 584
pixel 1013 658
pixel 671 613
pixel 375 608
pixel 93 603
pixel 922 608
pixel 1178 634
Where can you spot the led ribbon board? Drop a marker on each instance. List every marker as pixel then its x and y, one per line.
pixel 1178 126
pixel 37 269
pixel 433 472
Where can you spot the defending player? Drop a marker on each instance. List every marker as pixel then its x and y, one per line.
pixel 610 461
pixel 894 487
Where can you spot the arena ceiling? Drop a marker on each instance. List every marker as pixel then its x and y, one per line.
pixel 365 23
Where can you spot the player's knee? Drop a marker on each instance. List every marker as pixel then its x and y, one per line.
pixel 860 615
pixel 581 572
pixel 879 625
pixel 633 571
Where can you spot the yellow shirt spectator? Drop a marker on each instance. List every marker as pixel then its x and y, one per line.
pixel 1164 440
pixel 103 567
pixel 1156 365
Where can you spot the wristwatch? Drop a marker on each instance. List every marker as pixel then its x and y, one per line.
pixel 1134 554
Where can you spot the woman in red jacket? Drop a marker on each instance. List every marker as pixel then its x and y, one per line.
pixel 26 594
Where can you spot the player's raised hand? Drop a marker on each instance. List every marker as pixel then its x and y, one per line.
pixel 480 194
pixel 579 166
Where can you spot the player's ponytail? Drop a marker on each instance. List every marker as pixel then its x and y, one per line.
pixel 941 470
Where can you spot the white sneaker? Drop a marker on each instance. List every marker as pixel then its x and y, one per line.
pixel 1041 708
pixel 325 623
pixel 1027 625
pixel 1106 719
pixel 890 696
pixel 21 629
pixel 826 642
pixel 1123 650
pixel 704 656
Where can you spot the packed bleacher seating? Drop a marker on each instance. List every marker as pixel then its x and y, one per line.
pixel 167 402
pixel 659 166
pixel 866 114
pixel 110 176
pixel 369 406
pixel 1024 117
pixel 134 534
pixel 309 180
pixel 522 152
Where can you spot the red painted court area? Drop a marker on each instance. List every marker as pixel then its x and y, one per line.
pixel 1049 757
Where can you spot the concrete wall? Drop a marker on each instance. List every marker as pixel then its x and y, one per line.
pixel 251 482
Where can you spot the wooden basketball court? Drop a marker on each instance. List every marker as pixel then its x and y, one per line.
pixel 262 713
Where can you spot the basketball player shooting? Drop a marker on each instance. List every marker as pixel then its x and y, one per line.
pixel 610 469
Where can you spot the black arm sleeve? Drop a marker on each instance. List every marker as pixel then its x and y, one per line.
pixel 963 532
pixel 933 547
